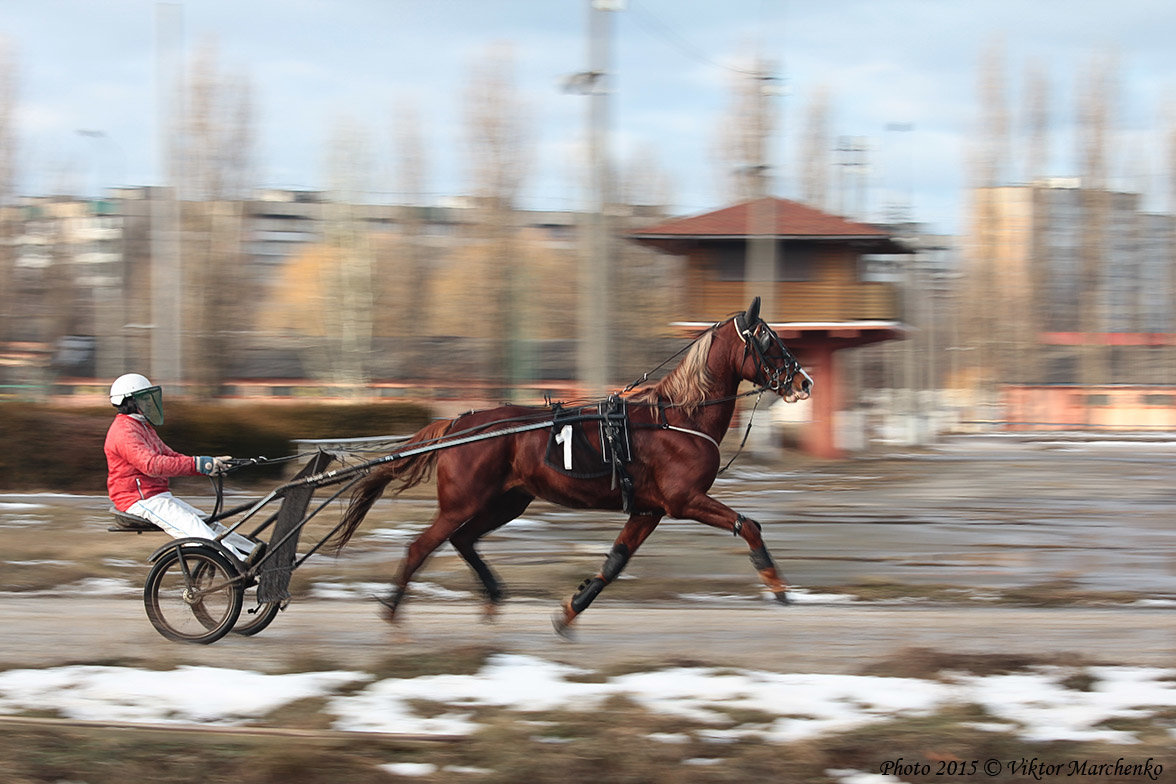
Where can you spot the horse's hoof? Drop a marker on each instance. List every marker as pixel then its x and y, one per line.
pixel 490 612
pixel 563 624
pixel 782 598
pixel 387 608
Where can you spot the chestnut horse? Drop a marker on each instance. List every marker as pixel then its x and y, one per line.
pixel 675 427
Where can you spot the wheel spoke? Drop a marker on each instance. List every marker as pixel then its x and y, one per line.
pixel 193 595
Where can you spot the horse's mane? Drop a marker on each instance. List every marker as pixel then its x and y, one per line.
pixel 686 385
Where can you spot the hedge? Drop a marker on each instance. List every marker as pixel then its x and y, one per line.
pixel 45 447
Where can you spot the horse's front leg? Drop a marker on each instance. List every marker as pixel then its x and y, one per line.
pixel 707 510
pixel 636 531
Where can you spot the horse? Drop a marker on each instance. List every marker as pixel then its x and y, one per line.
pixel 675 427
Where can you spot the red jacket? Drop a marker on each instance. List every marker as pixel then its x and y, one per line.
pixel 138 463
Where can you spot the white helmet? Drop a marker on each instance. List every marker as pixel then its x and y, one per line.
pixel 148 397
pixel 126 386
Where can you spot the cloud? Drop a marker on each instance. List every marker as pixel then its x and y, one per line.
pixel 911 61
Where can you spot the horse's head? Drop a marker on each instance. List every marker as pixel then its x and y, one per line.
pixel 766 360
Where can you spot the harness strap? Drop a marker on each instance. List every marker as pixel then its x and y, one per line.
pixel 664 424
pixel 698 433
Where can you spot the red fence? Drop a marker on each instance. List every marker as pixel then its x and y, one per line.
pixel 1125 408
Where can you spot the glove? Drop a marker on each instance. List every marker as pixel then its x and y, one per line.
pixel 210 466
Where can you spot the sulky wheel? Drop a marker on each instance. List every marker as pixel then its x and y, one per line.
pixel 255 616
pixel 193 594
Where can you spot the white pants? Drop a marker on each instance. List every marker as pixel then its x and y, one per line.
pixel 181 519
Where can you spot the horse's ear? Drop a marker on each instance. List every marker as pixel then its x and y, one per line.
pixel 751 316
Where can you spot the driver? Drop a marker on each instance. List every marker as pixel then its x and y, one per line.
pixel 139 464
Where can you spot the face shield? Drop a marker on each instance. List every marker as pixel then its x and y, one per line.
pixel 149 401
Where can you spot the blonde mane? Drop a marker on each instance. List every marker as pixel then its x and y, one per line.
pixel 686 385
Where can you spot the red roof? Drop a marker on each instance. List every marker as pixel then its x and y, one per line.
pixel 790 219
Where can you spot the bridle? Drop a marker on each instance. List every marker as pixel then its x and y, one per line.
pixel 758 339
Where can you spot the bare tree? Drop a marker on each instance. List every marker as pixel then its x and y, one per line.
pixel 403 305
pixel 1035 303
pixel 985 317
pixel 8 224
pixel 216 145
pixel 347 284
pixel 645 183
pixel 744 144
pixel 1094 116
pixel 993 164
pixel 496 122
pixel 744 133
pixel 1171 294
pixel 500 157
pixel 63 304
pixel 814 153
pixel 1037 122
pixel 218 140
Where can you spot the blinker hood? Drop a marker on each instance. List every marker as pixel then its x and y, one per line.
pixel 753 312
pixel 745 321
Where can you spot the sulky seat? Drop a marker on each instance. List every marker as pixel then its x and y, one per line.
pixel 127 522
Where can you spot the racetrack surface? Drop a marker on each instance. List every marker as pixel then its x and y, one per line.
pixel 973 519
pixel 51 631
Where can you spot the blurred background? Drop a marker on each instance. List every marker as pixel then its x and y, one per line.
pixel 960 216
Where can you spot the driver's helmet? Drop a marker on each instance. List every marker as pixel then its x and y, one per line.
pixel 148 397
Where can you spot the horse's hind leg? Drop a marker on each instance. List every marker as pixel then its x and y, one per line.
pixel 506 508
pixel 444 525
pixel 459 500
pixel 636 531
pixel 415 556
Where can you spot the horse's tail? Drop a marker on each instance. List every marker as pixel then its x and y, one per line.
pixel 409 471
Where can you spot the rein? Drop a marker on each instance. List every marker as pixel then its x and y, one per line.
pixel 528 422
pixel 771 378
pixel 645 376
pixel 746 433
pixel 771 375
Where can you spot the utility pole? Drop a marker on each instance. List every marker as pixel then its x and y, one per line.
pixel 852 167
pixel 167 278
pixel 901 211
pixel 762 247
pixel 595 344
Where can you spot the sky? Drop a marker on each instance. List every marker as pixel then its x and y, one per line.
pixel 902 75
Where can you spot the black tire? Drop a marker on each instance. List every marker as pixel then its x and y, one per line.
pixel 193 594
pixel 254 616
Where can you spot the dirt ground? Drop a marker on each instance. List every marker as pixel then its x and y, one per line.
pixel 42 632
pixel 949 534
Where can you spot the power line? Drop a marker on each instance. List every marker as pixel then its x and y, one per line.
pixel 661 30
